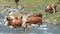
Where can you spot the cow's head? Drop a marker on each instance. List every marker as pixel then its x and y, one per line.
pixel 8 20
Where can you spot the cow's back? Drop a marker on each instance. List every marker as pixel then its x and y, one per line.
pixel 34 19
pixel 36 15
pixel 18 22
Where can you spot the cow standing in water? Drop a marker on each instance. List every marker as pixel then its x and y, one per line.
pixel 16 1
pixel 15 22
pixel 34 19
pixel 50 8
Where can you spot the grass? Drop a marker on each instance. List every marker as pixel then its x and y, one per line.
pixel 33 5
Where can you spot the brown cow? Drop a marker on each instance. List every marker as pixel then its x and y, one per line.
pixel 36 15
pixel 14 16
pixel 51 7
pixel 14 23
pixel 7 19
pixel 18 23
pixel 34 20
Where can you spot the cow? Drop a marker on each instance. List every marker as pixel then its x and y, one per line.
pixel 11 17
pixel 14 23
pixel 34 20
pixel 50 8
pixel 18 23
pixel 36 15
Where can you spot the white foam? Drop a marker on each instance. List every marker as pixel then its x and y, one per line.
pixel 11 26
pixel 44 25
pixel 47 32
pixel 34 25
pixel 50 33
pixel 32 33
pixel 43 28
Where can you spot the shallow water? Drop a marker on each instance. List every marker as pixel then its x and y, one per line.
pixel 46 28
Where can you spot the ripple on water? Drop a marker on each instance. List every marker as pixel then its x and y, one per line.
pixel 32 33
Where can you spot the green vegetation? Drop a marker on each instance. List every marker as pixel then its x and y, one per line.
pixel 31 5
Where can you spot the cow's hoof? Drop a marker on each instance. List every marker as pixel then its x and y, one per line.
pixel 14 29
pixel 24 30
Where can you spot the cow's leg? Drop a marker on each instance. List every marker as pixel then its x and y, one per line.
pixel 29 24
pixel 41 23
pixel 54 10
pixel 24 27
pixel 38 24
pixel 14 27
